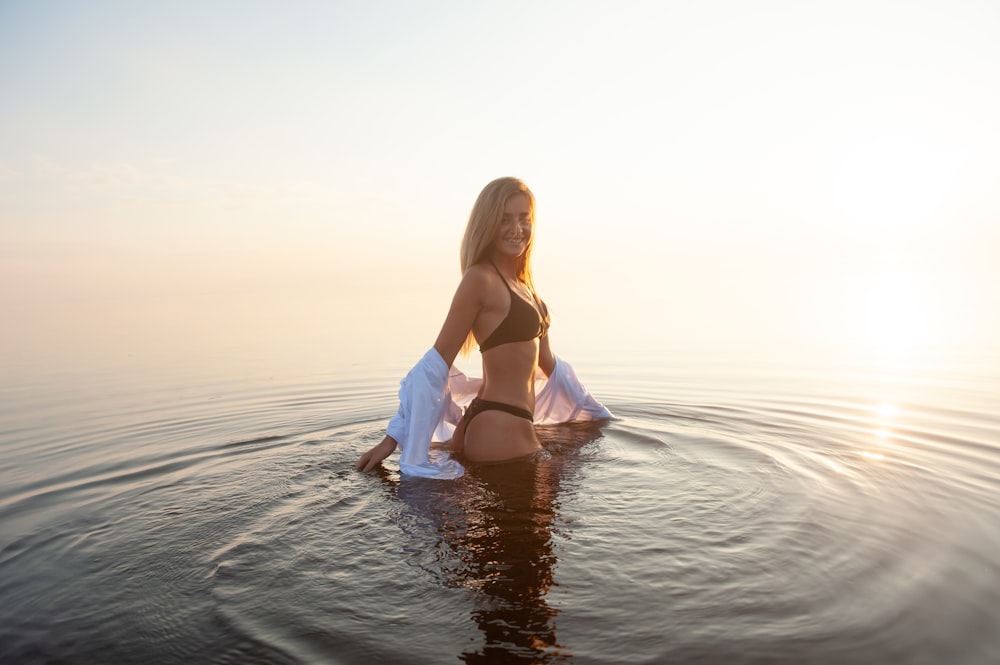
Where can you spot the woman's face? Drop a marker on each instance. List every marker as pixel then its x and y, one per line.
pixel 515 227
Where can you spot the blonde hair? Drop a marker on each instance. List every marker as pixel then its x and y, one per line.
pixel 482 229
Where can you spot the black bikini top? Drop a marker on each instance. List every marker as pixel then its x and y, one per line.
pixel 522 323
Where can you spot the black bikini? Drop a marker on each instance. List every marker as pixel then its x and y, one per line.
pixel 522 323
pixel 477 406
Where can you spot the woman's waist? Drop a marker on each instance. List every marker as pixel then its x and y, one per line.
pixel 511 382
pixel 516 358
pixel 521 399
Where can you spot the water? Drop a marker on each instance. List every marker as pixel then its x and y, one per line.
pixel 209 513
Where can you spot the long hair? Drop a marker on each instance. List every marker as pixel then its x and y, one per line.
pixel 482 229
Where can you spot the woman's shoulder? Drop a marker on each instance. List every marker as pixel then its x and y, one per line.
pixel 481 279
pixel 480 273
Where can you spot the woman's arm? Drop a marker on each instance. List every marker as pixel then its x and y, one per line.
pixel 546 359
pixel 465 307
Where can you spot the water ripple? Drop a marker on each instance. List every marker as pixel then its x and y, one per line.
pixel 223 522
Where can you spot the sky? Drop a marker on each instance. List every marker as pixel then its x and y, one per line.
pixel 714 179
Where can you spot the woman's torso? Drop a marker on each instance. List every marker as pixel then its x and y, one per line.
pixel 510 330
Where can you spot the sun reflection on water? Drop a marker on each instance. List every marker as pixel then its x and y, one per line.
pixel 883 422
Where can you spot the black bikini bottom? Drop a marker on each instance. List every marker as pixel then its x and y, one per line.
pixel 477 406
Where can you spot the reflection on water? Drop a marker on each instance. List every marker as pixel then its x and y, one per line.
pixel 507 557
pixel 497 527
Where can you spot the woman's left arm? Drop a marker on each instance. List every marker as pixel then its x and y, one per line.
pixel 546 359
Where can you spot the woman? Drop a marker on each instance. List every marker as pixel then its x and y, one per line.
pixel 496 305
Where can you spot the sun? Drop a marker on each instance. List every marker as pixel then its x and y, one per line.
pixel 888 187
pixel 892 316
pixel 891 179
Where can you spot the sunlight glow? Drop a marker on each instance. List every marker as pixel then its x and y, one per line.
pixel 892 179
pixel 885 410
pixel 836 468
pixel 892 317
pixel 884 415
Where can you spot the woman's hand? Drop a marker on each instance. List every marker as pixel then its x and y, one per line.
pixel 374 457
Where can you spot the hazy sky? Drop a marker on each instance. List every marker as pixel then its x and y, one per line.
pixel 761 178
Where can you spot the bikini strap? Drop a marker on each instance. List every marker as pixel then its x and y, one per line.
pixel 505 282
pixel 538 301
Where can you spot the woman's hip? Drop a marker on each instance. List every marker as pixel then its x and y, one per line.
pixel 495 431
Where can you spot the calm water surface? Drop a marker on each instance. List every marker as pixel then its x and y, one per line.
pixel 729 515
